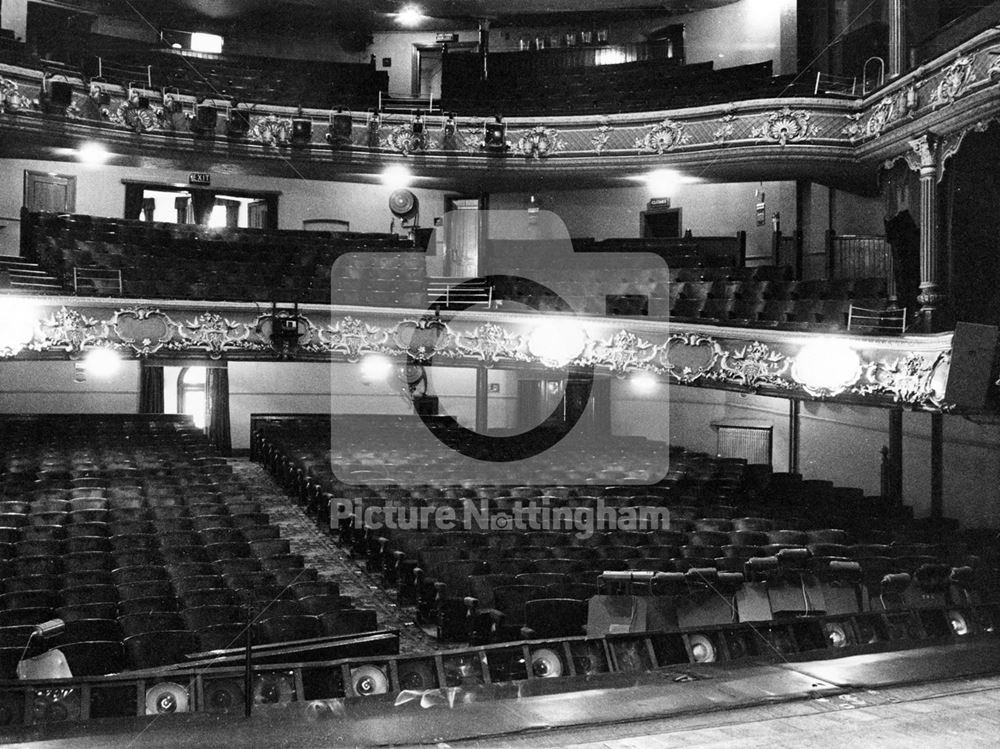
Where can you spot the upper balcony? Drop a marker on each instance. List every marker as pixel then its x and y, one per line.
pixel 838 141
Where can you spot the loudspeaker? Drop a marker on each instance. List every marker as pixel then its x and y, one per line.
pixel 973 349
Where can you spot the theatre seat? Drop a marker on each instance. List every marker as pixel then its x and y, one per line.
pixel 160 648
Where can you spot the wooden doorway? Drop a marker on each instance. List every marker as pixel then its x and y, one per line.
pixel 49 192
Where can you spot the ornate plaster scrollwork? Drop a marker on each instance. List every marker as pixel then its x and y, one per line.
pixel 908 379
pixel 271 130
pixel 353 338
pixel 421 339
pixel 785 126
pixel 70 331
pixel 214 333
pixel 954 82
pixel 663 137
pixel 143 329
pixel 688 357
pixel 539 142
pixel 599 140
pixel 754 366
pixel 622 352
pixel 402 139
pixel 490 343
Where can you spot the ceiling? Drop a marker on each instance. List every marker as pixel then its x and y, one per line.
pixel 378 14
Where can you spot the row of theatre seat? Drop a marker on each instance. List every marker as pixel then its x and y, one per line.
pixel 483 585
pixel 626 87
pixel 170 260
pixel 149 548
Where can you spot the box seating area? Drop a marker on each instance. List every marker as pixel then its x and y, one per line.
pixel 729 524
pixel 137 535
pixel 762 296
pixel 514 90
pixel 195 262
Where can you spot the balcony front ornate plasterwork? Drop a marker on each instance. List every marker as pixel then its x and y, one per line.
pixel 911 370
pixel 948 96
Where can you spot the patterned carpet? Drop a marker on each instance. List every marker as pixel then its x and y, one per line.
pixel 322 553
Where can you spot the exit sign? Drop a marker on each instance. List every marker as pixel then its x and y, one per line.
pixel 199 178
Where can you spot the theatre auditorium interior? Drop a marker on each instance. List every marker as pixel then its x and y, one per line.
pixel 499 372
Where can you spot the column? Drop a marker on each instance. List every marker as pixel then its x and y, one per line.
pixel 898 55
pixel 793 435
pixel 937 465
pixel 931 297
pixel 482 399
pixel 896 455
pixel 484 47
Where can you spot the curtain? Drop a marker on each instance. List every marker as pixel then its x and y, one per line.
pixel 217 409
pixel 151 390
pixel 133 201
pixel 204 202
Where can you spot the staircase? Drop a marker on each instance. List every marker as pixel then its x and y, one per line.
pixel 443 293
pixel 19 276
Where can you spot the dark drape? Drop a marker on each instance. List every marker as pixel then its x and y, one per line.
pixel 151 390
pixel 133 201
pixel 217 409
pixel 203 202
pixel 181 206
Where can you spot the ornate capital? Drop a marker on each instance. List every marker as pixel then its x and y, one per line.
pixel 923 154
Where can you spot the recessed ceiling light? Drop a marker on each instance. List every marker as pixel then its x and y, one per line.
pixel 410 15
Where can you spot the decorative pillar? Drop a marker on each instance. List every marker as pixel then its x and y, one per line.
pixel 482 399
pixel 937 465
pixel 484 47
pixel 925 156
pixel 793 435
pixel 895 456
pixel 898 53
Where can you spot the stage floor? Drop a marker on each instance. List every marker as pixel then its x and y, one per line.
pixel 922 697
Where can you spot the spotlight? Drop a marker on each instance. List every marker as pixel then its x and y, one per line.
pixel 205 118
pixel 417 124
pixel 102 362
pixel 339 131
pixel 238 124
pixel 495 135
pixel 301 129
pixel 450 127
pixel 958 623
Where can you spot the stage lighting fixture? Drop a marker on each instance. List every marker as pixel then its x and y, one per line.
pixel 495 135
pixel 205 118
pixel 238 122
pixel 301 129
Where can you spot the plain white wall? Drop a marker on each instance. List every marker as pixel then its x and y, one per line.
pixel 50 387
pixel 100 192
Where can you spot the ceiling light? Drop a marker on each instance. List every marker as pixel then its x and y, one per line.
pixel 643 382
pixel 662 182
pixel 396 177
pixel 92 153
pixel 409 16
pixel 826 367
pixel 557 343
pixel 102 362
pixel 375 368
pixel 208 43
pixel 18 328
